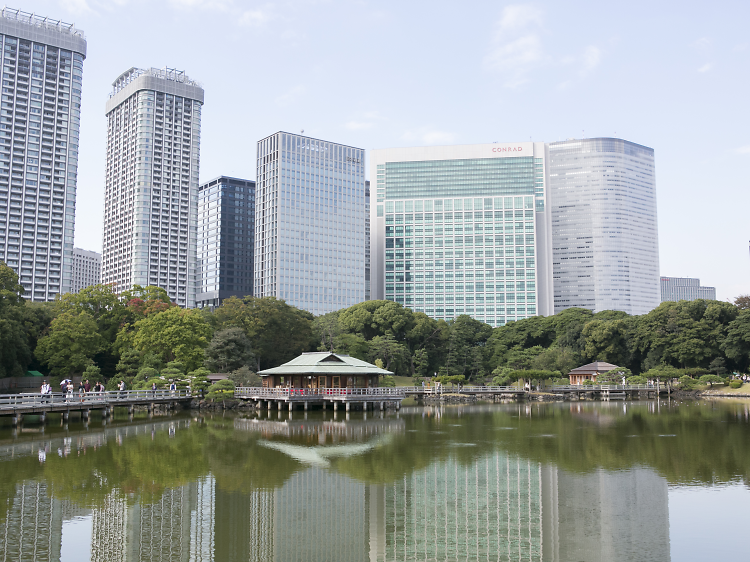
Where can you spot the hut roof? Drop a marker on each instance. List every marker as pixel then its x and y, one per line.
pixel 325 363
pixel 594 368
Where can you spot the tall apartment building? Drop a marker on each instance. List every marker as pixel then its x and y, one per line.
pixel 309 222
pixel 462 230
pixel 151 187
pixel 602 195
pixel 685 289
pixel 42 63
pixel 226 239
pixel 87 269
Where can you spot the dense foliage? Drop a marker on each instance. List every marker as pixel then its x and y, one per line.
pixel 140 336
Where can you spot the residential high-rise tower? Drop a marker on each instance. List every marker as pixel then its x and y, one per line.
pixel 605 245
pixel 226 234
pixel 41 104
pixel 151 186
pixel 310 223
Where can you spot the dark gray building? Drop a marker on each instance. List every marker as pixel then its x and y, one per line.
pixel 226 239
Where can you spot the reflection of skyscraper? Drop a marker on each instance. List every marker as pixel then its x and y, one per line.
pixel 32 529
pixel 605 515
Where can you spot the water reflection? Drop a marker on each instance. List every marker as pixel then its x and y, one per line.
pixel 521 481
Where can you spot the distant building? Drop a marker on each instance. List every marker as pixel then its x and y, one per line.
pixel 226 239
pixel 87 269
pixel 310 223
pixel 151 182
pixel 590 371
pixel 367 240
pixel 685 289
pixel 42 72
pixel 605 247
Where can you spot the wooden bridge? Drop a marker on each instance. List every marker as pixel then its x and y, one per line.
pixel 18 405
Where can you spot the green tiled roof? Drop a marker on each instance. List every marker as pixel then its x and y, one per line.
pixel 325 363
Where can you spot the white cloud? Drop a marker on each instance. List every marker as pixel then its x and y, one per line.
pixel 291 95
pixel 703 43
pixel 592 56
pixel 743 149
pixel 705 68
pixel 516 46
pixel 359 125
pixel 255 18
pixel 75 6
pixel 219 5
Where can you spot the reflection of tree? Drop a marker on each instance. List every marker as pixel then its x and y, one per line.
pixel 239 464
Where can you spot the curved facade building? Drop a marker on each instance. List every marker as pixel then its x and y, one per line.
pixel 605 247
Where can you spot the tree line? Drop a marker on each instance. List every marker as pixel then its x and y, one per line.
pixel 141 337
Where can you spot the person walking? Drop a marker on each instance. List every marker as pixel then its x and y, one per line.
pixel 153 389
pixel 121 387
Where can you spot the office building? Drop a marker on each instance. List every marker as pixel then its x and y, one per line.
pixel 367 240
pixel 87 269
pixel 226 238
pixel 462 230
pixel 309 223
pixel 685 289
pixel 41 105
pixel 151 184
pixel 602 196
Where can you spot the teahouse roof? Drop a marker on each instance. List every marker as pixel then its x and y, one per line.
pixel 325 363
pixel 594 368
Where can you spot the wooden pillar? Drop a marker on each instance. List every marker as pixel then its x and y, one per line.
pixel 66 415
pixel 291 406
pixel 348 406
pixel 335 406
pixel 130 409
pixel 305 405
pixel 85 414
pixel 382 406
pixel 15 419
pixel 43 417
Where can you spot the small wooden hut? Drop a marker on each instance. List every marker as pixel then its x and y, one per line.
pixel 590 372
pixel 323 370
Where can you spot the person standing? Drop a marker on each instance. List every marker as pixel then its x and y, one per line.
pixel 153 389
pixel 172 388
pixel 87 386
pixel 69 389
pixel 121 387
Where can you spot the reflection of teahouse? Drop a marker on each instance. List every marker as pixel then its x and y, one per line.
pixel 323 370
pixel 589 372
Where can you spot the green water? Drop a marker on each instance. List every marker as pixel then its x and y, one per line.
pixel 579 481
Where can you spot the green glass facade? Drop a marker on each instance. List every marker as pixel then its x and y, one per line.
pixel 460 236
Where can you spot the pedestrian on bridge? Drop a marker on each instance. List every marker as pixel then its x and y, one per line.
pixel 87 386
pixel 121 387
pixel 81 390
pixel 69 389
pixel 153 389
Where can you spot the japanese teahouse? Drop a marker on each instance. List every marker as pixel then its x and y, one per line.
pixel 590 372
pixel 323 370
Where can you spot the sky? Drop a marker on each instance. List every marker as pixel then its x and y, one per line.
pixel 668 75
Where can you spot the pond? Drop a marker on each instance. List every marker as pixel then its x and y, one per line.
pixel 577 481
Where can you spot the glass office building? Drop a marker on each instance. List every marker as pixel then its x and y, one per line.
pixel 42 72
pixel 226 238
pixel 685 289
pixel 151 182
pixel 602 196
pixel 310 223
pixel 462 230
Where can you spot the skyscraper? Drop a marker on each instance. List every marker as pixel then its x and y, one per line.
pixel 602 195
pixel 151 187
pixel 462 230
pixel 309 222
pixel 367 240
pixel 87 269
pixel 226 238
pixel 685 289
pixel 41 100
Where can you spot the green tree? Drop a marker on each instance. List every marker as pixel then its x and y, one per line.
pixel 245 377
pixel 221 390
pixel 393 354
pixel 228 351
pixel 277 331
pixel 711 380
pixel 129 364
pixel 736 344
pixel 71 344
pixel 174 334
pixel 607 340
pixel 718 366
pixel 15 351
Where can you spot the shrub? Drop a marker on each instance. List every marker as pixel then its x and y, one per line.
pixel 687 383
pixel 387 380
pixel 735 384
pixel 221 390
pixel 637 379
pixel 245 377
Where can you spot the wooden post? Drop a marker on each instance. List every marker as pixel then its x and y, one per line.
pixel 305 405
pixel 348 406
pixel 66 415
pixel 85 414
pixel 335 406
pixel 382 406
pixel 43 417
pixel 16 419
pixel 291 406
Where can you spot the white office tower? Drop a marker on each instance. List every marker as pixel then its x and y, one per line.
pixel 310 222
pixel 462 230
pixel 87 268
pixel 602 195
pixel 151 189
pixel 41 106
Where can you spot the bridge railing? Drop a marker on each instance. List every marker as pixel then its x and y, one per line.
pixel 588 387
pixel 464 389
pixel 292 393
pixel 33 400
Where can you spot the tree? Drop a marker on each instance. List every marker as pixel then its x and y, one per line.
pixel 711 380
pixel 228 351
pixel 245 377
pixel 607 340
pixel 277 331
pixel 718 366
pixel 393 354
pixel 71 344
pixel 15 352
pixel 736 344
pixel 92 373
pixel 742 302
pixel 128 365
pixel 174 334
pixel 221 390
